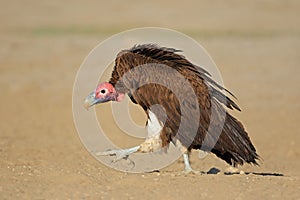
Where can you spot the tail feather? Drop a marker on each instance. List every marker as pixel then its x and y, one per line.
pixel 234 145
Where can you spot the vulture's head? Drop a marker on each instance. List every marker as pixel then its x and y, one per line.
pixel 103 93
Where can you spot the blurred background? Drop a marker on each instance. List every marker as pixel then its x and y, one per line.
pixel 255 44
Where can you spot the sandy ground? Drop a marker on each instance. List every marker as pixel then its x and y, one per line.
pixel 256 45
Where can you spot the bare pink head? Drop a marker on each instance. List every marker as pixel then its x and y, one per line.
pixel 103 93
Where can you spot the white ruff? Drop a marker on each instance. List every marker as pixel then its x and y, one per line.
pixel 154 125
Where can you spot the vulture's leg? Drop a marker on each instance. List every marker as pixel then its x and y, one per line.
pixel 187 166
pixel 119 153
pixel 151 144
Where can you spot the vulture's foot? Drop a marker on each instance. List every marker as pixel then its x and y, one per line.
pixel 187 166
pixel 119 153
pixel 192 171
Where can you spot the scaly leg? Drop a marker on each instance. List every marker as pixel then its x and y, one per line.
pixel 149 145
pixel 119 153
pixel 187 166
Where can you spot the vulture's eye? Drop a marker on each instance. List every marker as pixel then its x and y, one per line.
pixel 102 91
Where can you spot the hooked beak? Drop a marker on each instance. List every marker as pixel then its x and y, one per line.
pixel 91 100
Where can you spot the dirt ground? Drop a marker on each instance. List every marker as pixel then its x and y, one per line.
pixel 255 44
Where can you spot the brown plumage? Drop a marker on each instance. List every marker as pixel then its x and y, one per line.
pixel 165 69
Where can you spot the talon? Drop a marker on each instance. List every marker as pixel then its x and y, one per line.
pixel 107 153
pixel 119 153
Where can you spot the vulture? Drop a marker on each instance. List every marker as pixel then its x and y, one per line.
pixel 192 111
